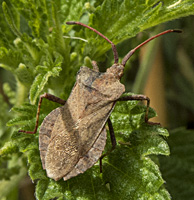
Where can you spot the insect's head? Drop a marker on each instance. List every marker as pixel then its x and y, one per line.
pixel 117 69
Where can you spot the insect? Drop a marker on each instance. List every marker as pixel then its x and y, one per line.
pixel 72 137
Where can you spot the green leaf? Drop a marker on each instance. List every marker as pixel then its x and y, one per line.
pixel 125 19
pixel 38 86
pixel 26 111
pixel 24 74
pixel 6 62
pixel 53 68
pixel 10 20
pixel 8 148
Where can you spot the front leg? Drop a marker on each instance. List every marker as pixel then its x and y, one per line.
pixel 139 97
pixel 46 96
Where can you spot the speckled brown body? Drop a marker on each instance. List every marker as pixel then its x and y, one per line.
pixel 72 137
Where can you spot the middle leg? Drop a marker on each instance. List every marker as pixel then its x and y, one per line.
pixel 139 97
pixel 113 141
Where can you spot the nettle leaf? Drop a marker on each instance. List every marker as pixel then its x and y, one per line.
pixel 25 113
pixel 74 9
pixel 6 155
pixel 4 116
pixel 178 168
pixel 9 19
pixel 6 62
pixel 42 79
pixel 9 147
pixel 125 19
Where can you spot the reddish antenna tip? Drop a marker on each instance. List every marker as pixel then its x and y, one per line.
pixel 126 58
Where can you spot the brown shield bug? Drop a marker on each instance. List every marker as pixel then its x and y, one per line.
pixel 72 137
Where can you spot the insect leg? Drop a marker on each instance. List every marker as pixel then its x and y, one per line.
pixel 140 98
pixel 95 66
pixel 113 141
pixel 49 97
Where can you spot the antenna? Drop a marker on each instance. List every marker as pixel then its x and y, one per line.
pixel 115 53
pixel 126 58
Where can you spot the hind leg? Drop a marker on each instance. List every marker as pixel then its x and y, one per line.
pixel 46 96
